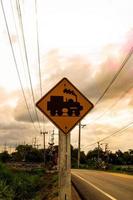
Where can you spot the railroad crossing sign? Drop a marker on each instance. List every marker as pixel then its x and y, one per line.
pixel 64 105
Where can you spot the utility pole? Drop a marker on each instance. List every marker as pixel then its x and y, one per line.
pixel 106 152
pixel 79 140
pixel 10 147
pixel 106 147
pixel 5 147
pixel 44 133
pixel 51 140
pixel 34 142
pixel 37 146
pixel 98 153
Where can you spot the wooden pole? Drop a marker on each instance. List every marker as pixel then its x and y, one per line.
pixel 44 156
pixel 64 166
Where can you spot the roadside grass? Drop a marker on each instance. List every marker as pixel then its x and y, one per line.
pixel 126 169
pixel 6 193
pixel 50 189
pixel 27 185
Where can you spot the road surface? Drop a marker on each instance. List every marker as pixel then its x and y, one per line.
pixel 98 185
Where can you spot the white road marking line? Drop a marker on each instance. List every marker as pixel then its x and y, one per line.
pixel 106 194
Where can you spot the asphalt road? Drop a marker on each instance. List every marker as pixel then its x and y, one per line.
pixel 98 185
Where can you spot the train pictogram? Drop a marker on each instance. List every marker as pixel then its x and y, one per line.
pixel 64 105
pixel 57 105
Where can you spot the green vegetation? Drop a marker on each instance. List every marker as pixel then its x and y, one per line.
pixel 107 159
pixel 18 185
pixel 23 178
pixel 117 162
pixel 28 154
pixel 23 185
pixel 128 169
pixel 5 191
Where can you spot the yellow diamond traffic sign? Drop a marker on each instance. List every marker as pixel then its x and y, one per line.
pixel 64 105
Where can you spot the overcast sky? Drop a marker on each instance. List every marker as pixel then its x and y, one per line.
pixel 85 41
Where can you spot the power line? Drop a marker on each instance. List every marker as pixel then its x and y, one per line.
pixel 119 131
pixel 114 78
pixel 21 53
pixel 116 75
pixel 113 134
pixel 112 81
pixel 38 49
pixel 9 37
pixel 38 53
pixel 26 56
pixel 115 103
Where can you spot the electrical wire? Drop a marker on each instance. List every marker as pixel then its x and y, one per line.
pixel 16 66
pixel 21 53
pixel 26 56
pixel 115 103
pixel 110 84
pixel 116 75
pixel 117 132
pixel 38 48
pixel 113 134
pixel 38 56
pixel 114 78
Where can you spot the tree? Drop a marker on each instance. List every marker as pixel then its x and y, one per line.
pixel 74 156
pixel 93 154
pixel 83 159
pixel 27 153
pixel 120 158
pixel 4 156
pixel 112 158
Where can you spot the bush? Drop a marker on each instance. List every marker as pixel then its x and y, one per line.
pixel 5 174
pixel 25 186
pixel 6 193
pixel 38 171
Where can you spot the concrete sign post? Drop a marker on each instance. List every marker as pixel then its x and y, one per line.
pixel 65 106
pixel 64 166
